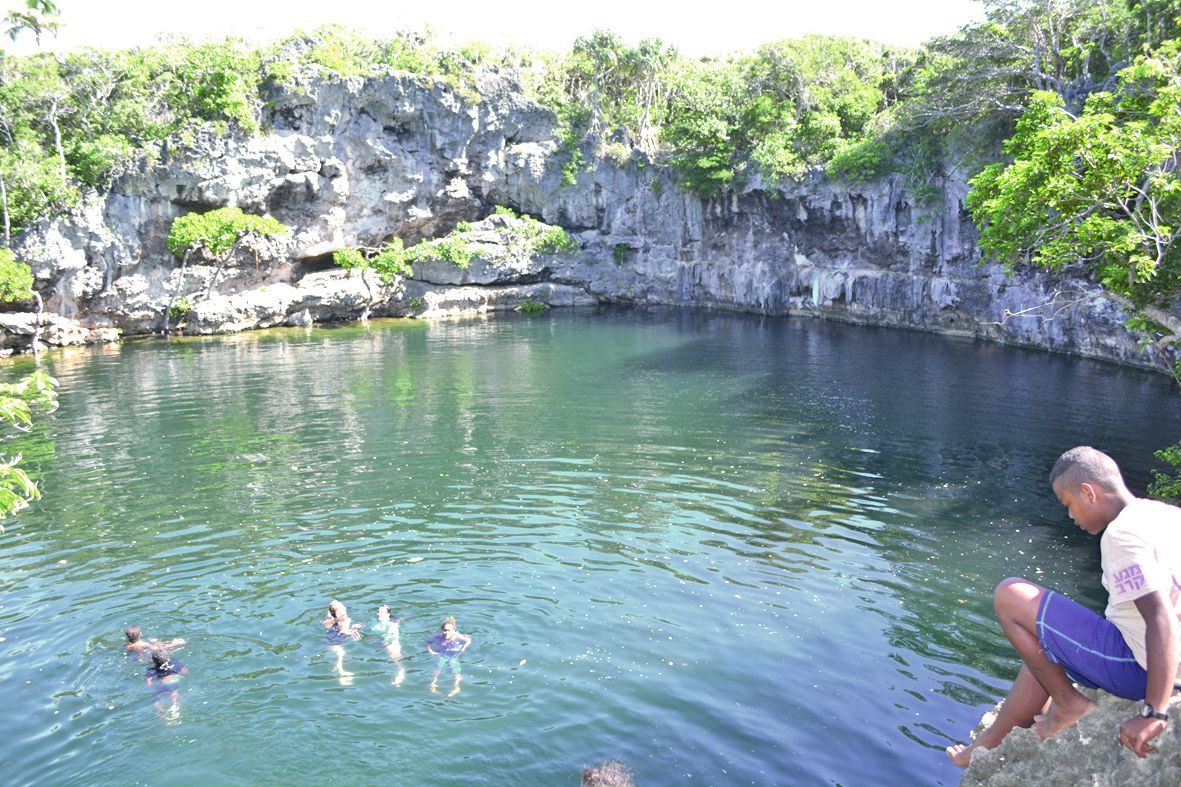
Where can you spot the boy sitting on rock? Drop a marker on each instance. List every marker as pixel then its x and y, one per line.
pixel 1132 652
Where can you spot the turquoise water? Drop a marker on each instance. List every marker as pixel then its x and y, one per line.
pixel 724 549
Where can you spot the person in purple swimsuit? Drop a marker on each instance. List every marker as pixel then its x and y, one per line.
pixel 341 629
pixel 446 646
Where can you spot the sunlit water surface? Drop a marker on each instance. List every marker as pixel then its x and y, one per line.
pixel 725 549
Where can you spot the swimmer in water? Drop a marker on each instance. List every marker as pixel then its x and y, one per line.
pixel 387 628
pixel 138 646
pixel 163 677
pixel 446 646
pixel 341 629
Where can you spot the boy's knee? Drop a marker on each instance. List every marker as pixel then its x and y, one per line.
pixel 1015 590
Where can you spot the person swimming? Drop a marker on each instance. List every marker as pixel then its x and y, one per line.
pixel 137 646
pixel 387 628
pixel 341 629
pixel 163 677
pixel 446 645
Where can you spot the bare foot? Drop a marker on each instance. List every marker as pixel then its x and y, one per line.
pixel 1059 716
pixel 434 688
pixel 454 690
pixel 346 679
pixel 401 676
pixel 960 754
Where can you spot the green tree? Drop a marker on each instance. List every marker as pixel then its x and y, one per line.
pixel 39 17
pixel 16 284
pixel 216 232
pixel 1102 190
pixel 388 262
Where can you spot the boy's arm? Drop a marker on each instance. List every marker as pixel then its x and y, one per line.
pixel 1160 641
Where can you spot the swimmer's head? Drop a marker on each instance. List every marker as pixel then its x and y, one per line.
pixel 610 774
pixel 160 656
pixel 132 633
pixel 336 609
pixel 383 612
pixel 448 624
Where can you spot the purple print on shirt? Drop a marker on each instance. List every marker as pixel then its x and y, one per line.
pixel 1127 579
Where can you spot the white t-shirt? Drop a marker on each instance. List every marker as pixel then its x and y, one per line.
pixel 1141 552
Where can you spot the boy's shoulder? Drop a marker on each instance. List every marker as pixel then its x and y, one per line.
pixel 1145 520
pixel 1144 511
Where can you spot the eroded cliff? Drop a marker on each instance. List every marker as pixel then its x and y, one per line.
pixel 356 162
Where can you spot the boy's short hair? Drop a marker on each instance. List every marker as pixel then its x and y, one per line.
pixel 1085 464
pixel 132 633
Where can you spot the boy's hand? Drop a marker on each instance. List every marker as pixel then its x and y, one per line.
pixel 1136 732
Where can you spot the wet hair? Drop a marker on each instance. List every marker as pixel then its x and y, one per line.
pixel 1087 465
pixel 449 619
pixel 132 633
pixel 386 607
pixel 612 773
pixel 332 605
pixel 160 656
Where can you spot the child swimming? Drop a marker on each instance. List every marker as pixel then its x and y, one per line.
pixel 341 629
pixel 446 646
pixel 138 646
pixel 163 677
pixel 387 628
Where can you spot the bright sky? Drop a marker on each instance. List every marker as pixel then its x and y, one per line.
pixel 694 27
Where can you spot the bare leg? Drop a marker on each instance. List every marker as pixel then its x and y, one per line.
pixel 434 683
pixel 395 653
pixel 455 686
pixel 1017 602
pixel 346 678
pixel 1026 699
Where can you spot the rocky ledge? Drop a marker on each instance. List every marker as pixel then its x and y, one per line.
pixel 1087 753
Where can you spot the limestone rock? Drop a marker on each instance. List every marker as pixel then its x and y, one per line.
pixel 355 162
pixel 1087 753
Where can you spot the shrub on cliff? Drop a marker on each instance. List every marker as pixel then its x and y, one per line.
pixel 215 232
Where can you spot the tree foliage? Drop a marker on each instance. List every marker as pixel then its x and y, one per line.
pixel 219 230
pixel 38 18
pixel 36 392
pixel 1101 188
pixel 16 278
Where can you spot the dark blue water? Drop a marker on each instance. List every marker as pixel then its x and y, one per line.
pixel 724 549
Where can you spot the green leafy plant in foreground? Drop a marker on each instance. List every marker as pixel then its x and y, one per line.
pixel 35 392
pixel 532 307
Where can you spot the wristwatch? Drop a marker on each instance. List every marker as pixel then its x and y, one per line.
pixel 1149 712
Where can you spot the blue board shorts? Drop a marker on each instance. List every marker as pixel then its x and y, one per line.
pixel 1089 647
pixel 442 663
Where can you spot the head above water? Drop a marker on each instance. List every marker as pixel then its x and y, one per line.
pixel 383 611
pixel 132 633
pixel 336 609
pixel 448 624
pixel 610 774
pixel 160 656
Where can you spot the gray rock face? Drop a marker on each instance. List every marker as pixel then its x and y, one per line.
pixel 356 162
pixel 1087 753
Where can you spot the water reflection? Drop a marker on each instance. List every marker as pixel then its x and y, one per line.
pixel 704 534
